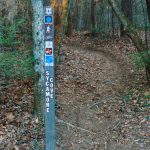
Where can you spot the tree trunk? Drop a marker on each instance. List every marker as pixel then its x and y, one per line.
pixel 148 8
pixel 1 21
pixel 81 14
pixel 8 11
pixel 38 50
pixel 112 22
pixel 66 17
pixel 93 16
pixel 55 4
pixel 126 7
pixel 132 33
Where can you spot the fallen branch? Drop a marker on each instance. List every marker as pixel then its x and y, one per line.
pixel 95 104
pixel 73 126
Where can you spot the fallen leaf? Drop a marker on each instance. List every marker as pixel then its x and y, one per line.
pixel 10 116
pixel 147 93
pixel 16 148
pixel 2 133
pixel 2 128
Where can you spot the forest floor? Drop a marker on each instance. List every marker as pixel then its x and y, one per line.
pixel 102 101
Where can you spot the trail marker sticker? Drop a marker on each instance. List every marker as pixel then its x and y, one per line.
pixel 49 79
pixel 48 11
pixel 48 19
pixel 49 61
pixel 48 44
pixel 49 51
pixel 48 31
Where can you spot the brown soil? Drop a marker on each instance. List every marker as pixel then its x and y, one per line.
pixel 91 111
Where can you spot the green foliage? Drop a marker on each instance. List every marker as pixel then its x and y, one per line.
pixel 142 28
pixel 16 64
pixel 101 32
pixel 145 101
pixel 139 96
pixel 8 37
pixel 96 30
pixel 128 96
pixel 138 60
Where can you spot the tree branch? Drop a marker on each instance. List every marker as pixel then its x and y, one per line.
pixel 73 126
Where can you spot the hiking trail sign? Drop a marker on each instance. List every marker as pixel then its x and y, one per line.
pixel 49 78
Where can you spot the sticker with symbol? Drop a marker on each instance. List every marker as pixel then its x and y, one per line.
pixel 48 44
pixel 48 19
pixel 49 51
pixel 49 61
pixel 48 11
pixel 48 31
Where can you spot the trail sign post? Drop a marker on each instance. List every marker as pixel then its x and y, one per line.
pixel 49 79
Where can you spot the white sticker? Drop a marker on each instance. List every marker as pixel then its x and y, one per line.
pixel 47 109
pixel 48 11
pixel 49 64
pixel 48 44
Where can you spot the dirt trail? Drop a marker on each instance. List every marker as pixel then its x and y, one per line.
pixel 90 87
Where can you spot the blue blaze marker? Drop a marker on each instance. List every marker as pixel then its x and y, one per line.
pixel 48 19
pixel 49 59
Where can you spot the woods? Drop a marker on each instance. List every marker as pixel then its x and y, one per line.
pixel 131 32
pixel 101 60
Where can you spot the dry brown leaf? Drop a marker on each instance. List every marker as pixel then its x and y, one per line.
pixel 1 137
pixel 2 133
pixel 2 128
pixel 16 148
pixel 10 116
pixel 147 93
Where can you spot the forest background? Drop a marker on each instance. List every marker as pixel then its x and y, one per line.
pixel 122 23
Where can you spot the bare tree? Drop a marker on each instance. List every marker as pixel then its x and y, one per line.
pixel 93 15
pixel 8 10
pixel 132 33
pixel 148 8
pixel 126 7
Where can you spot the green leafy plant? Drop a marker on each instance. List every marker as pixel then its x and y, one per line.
pixel 17 64
pixel 137 60
pixel 146 101
pixel 9 36
pixel 128 96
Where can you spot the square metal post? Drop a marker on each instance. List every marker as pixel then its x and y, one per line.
pixel 49 79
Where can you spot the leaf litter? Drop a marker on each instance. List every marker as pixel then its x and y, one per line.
pixel 98 94
pixel 102 101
